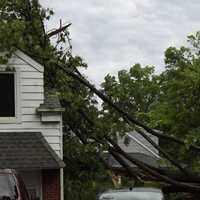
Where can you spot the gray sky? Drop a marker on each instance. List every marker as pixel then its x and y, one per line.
pixel 114 34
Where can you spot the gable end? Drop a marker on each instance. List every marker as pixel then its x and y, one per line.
pixel 29 61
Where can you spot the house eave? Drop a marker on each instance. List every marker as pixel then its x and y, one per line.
pixel 40 110
pixel 20 54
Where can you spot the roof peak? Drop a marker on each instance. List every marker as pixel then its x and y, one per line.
pixel 30 61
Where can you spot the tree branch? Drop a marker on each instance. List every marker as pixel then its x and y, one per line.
pixel 123 163
pixel 190 187
pixel 57 31
pixel 125 115
pixel 161 151
pixel 154 172
pixel 166 155
pixel 117 157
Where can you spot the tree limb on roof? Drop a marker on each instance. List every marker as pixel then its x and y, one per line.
pixel 125 115
pixel 145 167
pixel 59 30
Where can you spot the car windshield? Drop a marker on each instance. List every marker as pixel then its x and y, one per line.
pixel 132 196
pixel 7 186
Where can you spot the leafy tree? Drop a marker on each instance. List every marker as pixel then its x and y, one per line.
pixel 85 177
pixel 178 110
pixel 174 99
pixel 135 99
pixel 134 90
pixel 22 27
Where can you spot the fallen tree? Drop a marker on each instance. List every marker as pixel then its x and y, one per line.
pixel 22 27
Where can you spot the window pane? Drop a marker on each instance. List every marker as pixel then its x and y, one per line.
pixel 7 95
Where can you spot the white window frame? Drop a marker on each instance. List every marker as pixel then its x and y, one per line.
pixel 17 118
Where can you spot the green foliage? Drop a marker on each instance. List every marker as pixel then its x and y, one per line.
pixel 169 102
pixel 85 175
pixel 134 91
pixel 178 110
pixel 22 27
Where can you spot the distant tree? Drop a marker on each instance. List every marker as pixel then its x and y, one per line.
pixel 178 110
pixel 134 90
pixel 132 102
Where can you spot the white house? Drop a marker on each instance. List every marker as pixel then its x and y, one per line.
pixel 137 147
pixel 31 135
pixel 133 142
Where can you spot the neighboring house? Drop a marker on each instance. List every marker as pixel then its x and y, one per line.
pixel 31 128
pixel 137 147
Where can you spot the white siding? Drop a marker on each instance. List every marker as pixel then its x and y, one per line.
pixel 32 82
pixel 34 89
pixel 134 147
pixel 30 94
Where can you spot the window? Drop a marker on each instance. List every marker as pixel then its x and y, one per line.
pixel 7 94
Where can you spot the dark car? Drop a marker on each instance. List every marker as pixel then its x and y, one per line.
pixel 12 186
pixel 141 193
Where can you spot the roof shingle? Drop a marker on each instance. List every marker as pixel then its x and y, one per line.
pixel 51 103
pixel 27 150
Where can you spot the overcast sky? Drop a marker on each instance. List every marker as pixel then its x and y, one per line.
pixel 114 34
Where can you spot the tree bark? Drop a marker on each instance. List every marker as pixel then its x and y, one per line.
pixel 144 167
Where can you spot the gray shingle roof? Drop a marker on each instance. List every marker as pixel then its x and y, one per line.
pixel 154 162
pixel 27 150
pixel 51 103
